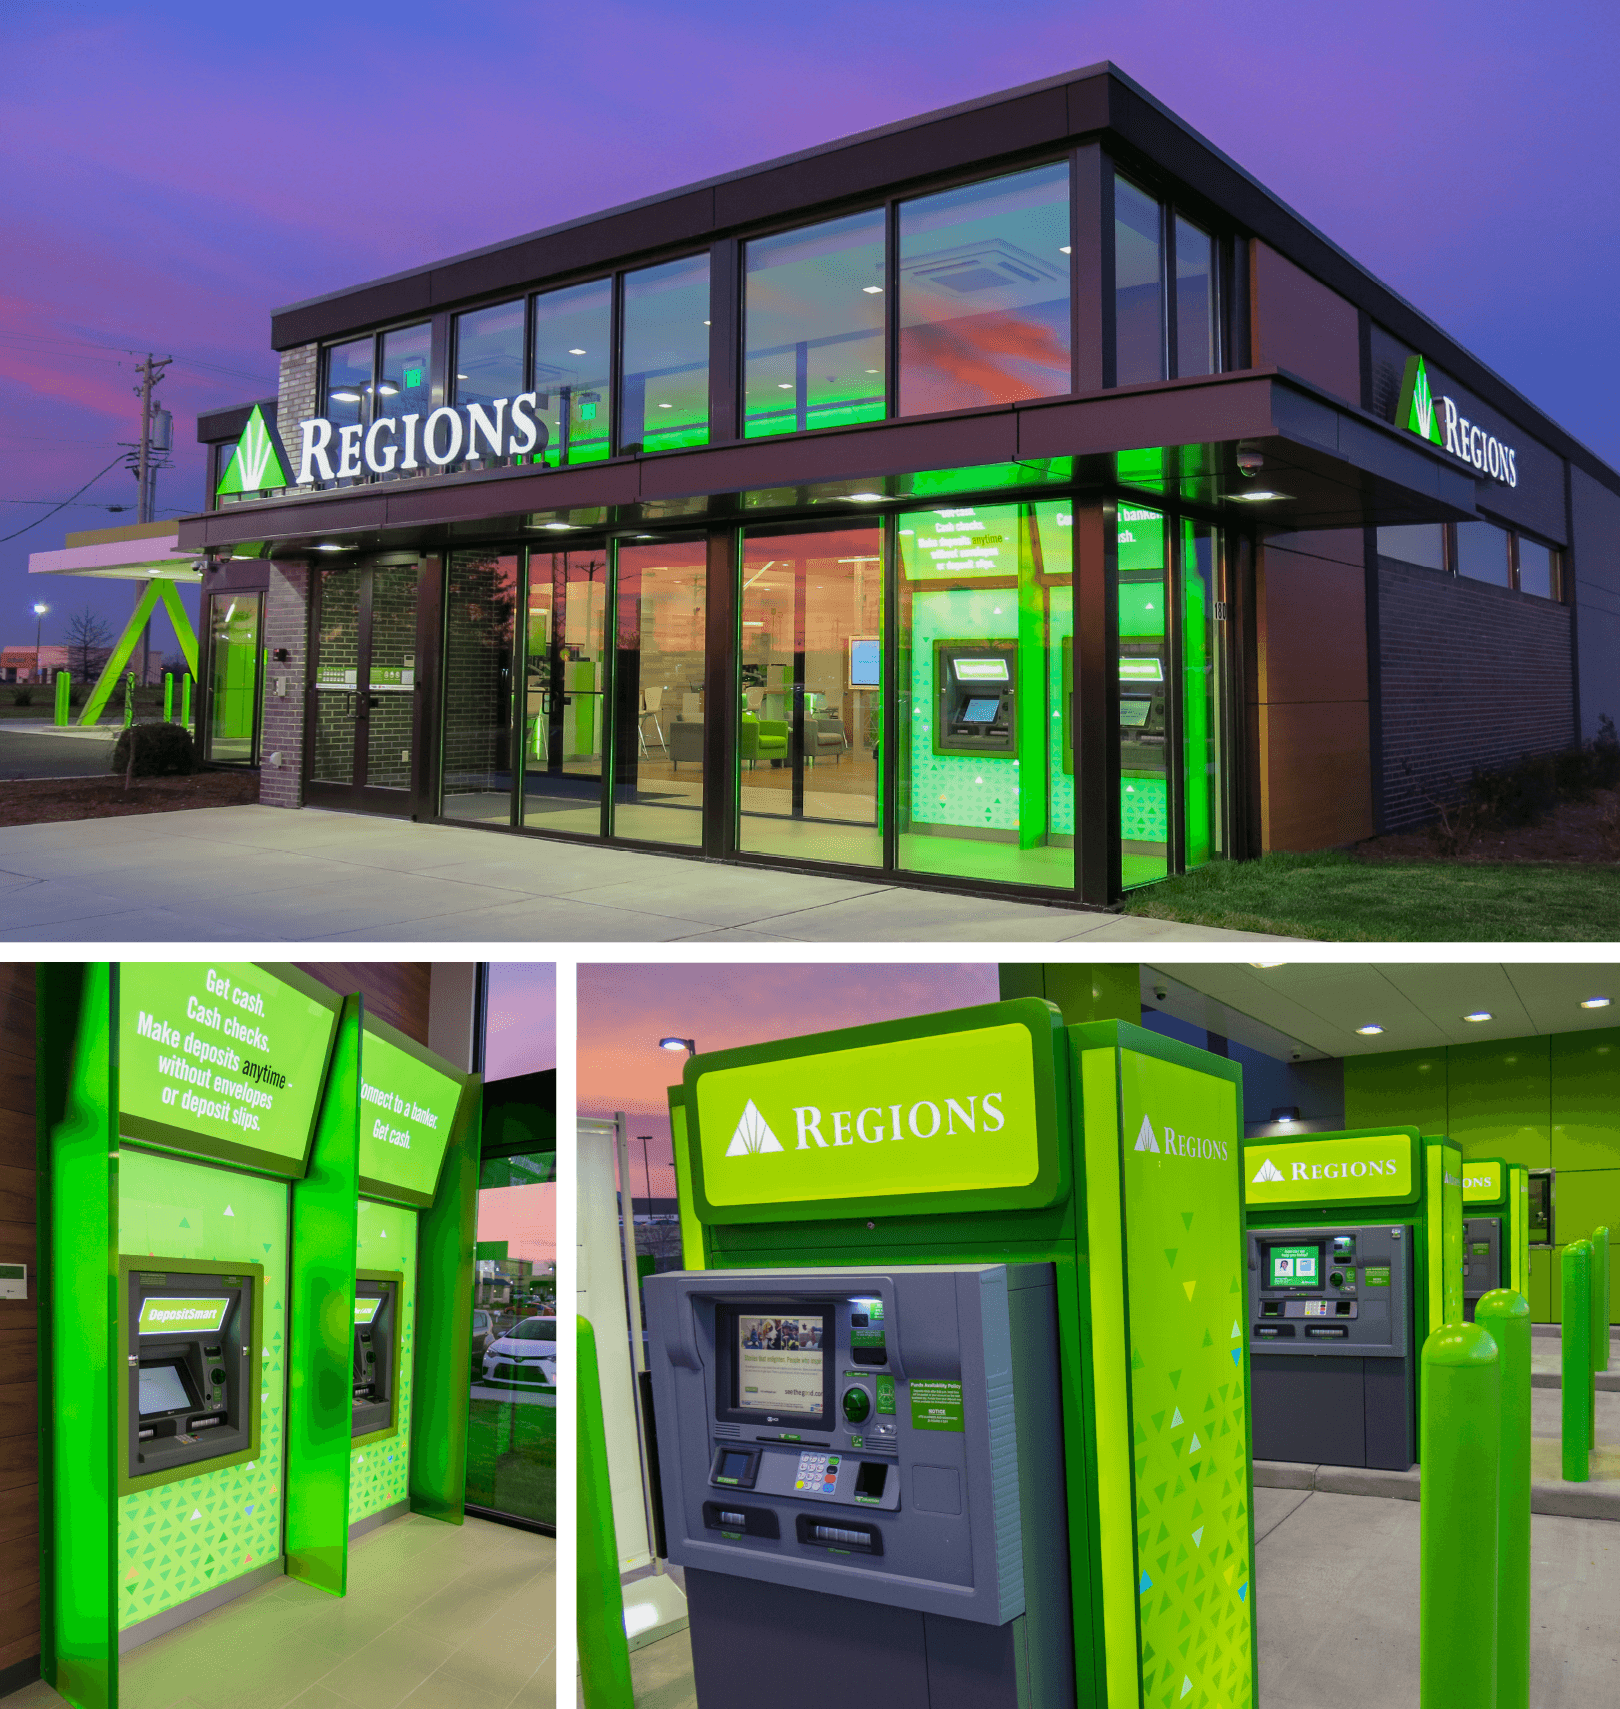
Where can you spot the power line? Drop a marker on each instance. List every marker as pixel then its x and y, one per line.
pixel 65 502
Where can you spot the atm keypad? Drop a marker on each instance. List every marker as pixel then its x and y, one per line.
pixel 817 1473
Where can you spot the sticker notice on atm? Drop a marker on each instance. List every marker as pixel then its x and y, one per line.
pixel 936 1406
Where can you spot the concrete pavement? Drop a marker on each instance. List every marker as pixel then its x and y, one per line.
pixel 256 874
pixel 28 750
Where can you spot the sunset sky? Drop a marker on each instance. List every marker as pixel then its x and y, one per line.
pixel 174 172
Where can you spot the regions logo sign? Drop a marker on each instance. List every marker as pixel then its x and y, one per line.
pixel 1482 1182
pixel 259 463
pixel 1440 422
pixel 1178 1144
pixel 1363 1168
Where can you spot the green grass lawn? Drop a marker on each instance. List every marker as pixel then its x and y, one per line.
pixel 512 1458
pixel 1336 897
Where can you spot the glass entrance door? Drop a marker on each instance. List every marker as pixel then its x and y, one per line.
pixel 231 730
pixel 563 719
pixel 364 688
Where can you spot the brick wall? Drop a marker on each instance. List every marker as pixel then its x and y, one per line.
pixel 286 624
pixel 300 374
pixel 1473 675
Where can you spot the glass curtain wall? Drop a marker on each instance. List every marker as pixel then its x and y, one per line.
pixel 481 590
pixel 985 760
pixel 488 365
pixel 1138 287
pixel 984 293
pixel 573 337
pixel 809 732
pixel 1144 697
pixel 348 389
pixel 1196 349
pixel 662 610
pixel 665 386
pixel 233 677
pixel 562 725
pixel 813 318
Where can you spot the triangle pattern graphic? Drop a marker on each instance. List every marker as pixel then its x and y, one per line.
pixel 258 463
pixel 1268 1171
pixel 753 1134
pixel 1145 1140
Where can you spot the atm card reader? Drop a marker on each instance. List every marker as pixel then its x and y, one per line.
pixel 192 1348
pixel 376 1352
pixel 975 697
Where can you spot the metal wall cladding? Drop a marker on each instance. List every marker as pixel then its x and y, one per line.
pixel 1536 503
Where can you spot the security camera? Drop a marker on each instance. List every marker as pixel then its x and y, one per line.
pixel 1250 460
pixel 1159 993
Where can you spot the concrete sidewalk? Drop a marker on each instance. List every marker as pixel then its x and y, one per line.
pixel 262 874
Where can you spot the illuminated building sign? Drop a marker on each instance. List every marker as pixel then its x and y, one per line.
pixel 1438 420
pixel 508 427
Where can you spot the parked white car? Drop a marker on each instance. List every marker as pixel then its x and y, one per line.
pixel 525 1356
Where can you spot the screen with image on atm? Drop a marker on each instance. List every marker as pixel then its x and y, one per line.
pixel 163 1389
pixel 1294 1267
pixel 365 1310
pixel 981 670
pixel 1134 711
pixel 780 1364
pixel 980 710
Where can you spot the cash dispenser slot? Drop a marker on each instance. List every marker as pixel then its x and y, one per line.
pixel 740 1520
pixel 838 1533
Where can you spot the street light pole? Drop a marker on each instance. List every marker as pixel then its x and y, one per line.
pixel 39 626
pixel 150 371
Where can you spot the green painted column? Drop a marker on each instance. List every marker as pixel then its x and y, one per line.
pixel 1576 1339
pixel 320 1325
pixel 1083 991
pixel 78 1330
pixel 1505 1316
pixel 1600 1299
pixel 604 1651
pixel 64 696
pixel 1461 1461
pixel 1034 787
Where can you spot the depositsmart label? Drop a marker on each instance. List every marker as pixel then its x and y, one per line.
pixel 177 1317
pixel 936 1406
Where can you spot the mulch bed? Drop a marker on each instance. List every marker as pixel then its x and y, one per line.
pixel 48 800
pixel 1575 832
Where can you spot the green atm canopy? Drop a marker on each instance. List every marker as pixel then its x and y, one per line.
pixel 408 1103
pixel 224 1060
pixel 953 1112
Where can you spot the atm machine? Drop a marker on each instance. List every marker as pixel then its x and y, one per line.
pixel 975 688
pixel 376 1352
pixel 1488 1235
pixel 190 1340
pixel 872 1456
pixel 1331 1334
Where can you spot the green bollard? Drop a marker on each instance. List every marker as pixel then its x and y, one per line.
pixel 1505 1316
pixel 185 700
pixel 1576 1376
pixel 1461 1471
pixel 604 1651
pixel 1600 1303
pixel 168 697
pixel 64 699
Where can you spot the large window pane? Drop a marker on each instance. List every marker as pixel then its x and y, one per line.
pixel 480 606
pixel 658 694
pixel 985 758
pixel 348 381
pixel 1144 784
pixel 489 359
pixel 1202 748
pixel 233 698
pixel 666 357
pixel 1138 289
pixel 573 336
pixel 812 695
pixel 1195 300
pixel 404 387
pixel 984 293
pixel 1420 543
pixel 1482 552
pixel 1535 569
pixel 564 717
pixel 814 319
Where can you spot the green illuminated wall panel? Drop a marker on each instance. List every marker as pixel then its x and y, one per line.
pixel 1589 1199
pixel 1400 1088
pixel 177 1540
pixel 1499 1100
pixel 379 1472
pixel 1585 1076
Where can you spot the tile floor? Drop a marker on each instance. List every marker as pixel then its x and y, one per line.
pixel 437 1617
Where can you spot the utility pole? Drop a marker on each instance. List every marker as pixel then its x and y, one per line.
pixel 146 466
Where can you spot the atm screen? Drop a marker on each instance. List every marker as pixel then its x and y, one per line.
pixel 779 1362
pixel 365 1310
pixel 1294 1267
pixel 981 710
pixel 865 662
pixel 733 1465
pixel 981 670
pixel 162 1390
pixel 1134 711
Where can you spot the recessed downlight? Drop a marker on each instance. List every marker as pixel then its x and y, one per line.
pixel 1595 1002
pixel 1263 965
pixel 1371 1030
pixel 867 498
pixel 1479 1015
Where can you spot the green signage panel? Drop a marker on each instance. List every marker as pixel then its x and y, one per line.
pixel 954 1111
pixel 1376 1167
pixel 167 1316
pixel 365 1309
pixel 408 1101
pixel 936 1405
pixel 1484 1181
pixel 223 1060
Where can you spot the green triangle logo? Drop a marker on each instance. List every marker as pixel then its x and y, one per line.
pixel 259 461
pixel 1415 412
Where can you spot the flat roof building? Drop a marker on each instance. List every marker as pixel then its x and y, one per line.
pixel 1019 495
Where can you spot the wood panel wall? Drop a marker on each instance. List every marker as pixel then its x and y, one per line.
pixel 19 1356
pixel 394 991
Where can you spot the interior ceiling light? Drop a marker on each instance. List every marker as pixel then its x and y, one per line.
pixel 331 546
pixel 559 527
pixel 1370 1030
pixel 873 290
pixel 581 352
pixel 867 498
pixel 784 385
pixel 389 389
pixel 666 406
pixel 1255 498
pixel 1265 964
pixel 1478 1015
pixel 346 395
pixel 1594 1002
pixel 1063 249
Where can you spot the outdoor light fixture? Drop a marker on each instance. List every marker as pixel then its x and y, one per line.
pixel 559 527
pixel 1256 498
pixel 1586 1002
pixel 331 546
pixel 1289 1113
pixel 689 1045
pixel 1478 1015
pixel 1369 1031
pixel 867 498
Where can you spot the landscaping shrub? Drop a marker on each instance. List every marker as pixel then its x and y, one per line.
pixel 1524 793
pixel 23 697
pixel 159 750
